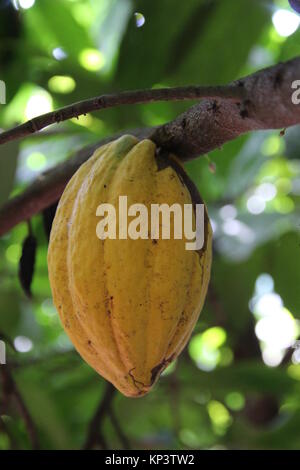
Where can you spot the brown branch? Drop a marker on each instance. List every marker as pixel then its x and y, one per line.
pixel 210 124
pixel 199 130
pixel 119 431
pixel 94 434
pixel 231 92
pixel 174 402
pixel 6 430
pixel 10 389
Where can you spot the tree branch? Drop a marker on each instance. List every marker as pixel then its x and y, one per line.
pixel 6 430
pixel 119 431
pixel 202 128
pixel 94 433
pixel 231 92
pixel 10 389
pixel 208 125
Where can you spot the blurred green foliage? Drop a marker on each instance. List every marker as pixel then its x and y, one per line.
pixel 237 385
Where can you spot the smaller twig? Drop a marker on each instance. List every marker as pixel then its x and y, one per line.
pixel 174 391
pixel 119 431
pixel 5 429
pixel 94 434
pixel 10 389
pixel 27 418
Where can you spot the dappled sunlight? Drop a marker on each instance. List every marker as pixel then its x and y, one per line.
pixel 276 328
pixel 91 59
pixel 285 22
pixel 36 161
pixel 206 348
pixel 40 102
pixel 59 54
pixel 61 84
pixel 23 344
pixel 24 4
pixel 256 205
pixel 220 416
pixel 139 19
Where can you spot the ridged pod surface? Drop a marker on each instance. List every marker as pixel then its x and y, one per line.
pixel 128 306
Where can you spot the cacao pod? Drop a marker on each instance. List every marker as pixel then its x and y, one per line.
pixel 128 305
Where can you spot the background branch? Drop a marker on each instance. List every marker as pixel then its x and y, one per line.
pixel 119 431
pixel 201 129
pixel 10 390
pixel 6 430
pixel 94 434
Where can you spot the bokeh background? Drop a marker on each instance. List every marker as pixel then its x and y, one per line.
pixel 237 384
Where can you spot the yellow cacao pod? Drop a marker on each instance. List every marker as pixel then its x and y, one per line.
pixel 128 305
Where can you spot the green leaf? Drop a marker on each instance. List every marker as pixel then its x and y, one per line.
pixel 54 26
pixel 222 45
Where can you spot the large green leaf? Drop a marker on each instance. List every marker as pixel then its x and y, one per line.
pixel 221 48
pixel 50 26
pixel 145 52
